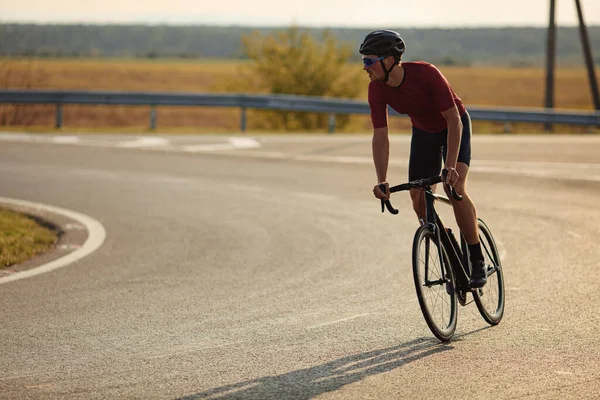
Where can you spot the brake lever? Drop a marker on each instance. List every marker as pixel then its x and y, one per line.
pixel 455 195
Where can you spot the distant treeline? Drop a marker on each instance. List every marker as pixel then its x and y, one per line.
pixel 468 46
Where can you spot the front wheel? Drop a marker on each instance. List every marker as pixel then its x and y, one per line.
pixel 434 283
pixel 490 298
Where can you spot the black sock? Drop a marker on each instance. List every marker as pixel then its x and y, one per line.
pixel 475 251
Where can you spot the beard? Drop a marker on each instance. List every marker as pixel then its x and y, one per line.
pixel 374 78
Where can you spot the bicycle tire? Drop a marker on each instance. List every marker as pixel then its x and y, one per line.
pixel 437 292
pixel 490 299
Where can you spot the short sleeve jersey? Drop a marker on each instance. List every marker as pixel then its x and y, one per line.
pixel 423 95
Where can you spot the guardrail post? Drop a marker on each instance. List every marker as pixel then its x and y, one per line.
pixel 152 117
pixel 243 120
pixel 507 127
pixel 58 123
pixel 331 123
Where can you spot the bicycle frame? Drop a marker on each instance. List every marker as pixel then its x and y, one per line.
pixel 456 258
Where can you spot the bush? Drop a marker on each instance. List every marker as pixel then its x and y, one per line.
pixel 294 62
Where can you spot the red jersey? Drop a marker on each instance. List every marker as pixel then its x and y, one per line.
pixel 423 95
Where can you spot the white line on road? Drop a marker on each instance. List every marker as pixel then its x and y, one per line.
pixel 96 236
pixel 243 143
pixel 538 169
pixel 66 139
pixel 145 142
pixel 233 143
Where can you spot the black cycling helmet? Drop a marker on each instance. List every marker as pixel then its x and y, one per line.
pixel 383 43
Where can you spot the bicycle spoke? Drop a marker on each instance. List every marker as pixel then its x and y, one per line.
pixel 437 297
pixel 490 299
pixel 483 242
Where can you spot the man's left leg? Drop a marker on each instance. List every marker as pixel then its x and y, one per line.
pixel 466 218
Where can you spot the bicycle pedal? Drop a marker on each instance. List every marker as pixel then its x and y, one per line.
pixel 461 297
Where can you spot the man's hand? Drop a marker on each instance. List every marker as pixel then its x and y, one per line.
pixel 452 176
pixel 379 194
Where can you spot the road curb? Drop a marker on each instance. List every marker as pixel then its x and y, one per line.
pixel 79 236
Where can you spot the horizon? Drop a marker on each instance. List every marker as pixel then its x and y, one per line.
pixel 428 14
pixel 282 25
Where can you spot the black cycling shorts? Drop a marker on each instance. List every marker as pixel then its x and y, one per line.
pixel 427 150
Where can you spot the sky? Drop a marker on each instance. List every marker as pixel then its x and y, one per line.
pixel 318 13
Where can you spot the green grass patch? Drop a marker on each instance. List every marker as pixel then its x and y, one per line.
pixel 21 238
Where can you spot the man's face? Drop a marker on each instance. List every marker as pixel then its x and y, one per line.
pixel 375 71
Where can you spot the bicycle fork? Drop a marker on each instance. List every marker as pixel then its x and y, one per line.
pixel 443 278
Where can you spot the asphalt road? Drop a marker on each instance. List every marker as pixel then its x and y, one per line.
pixel 263 269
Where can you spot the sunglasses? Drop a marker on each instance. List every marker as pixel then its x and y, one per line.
pixel 369 62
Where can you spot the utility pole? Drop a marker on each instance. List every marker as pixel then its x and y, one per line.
pixel 550 56
pixel 587 53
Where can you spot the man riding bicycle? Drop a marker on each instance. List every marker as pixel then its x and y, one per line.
pixel 441 128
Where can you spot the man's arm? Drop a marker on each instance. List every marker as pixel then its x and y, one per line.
pixel 380 143
pixel 381 155
pixel 455 127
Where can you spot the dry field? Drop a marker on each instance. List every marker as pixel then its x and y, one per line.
pixel 485 86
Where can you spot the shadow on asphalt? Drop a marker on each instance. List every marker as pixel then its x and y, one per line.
pixel 310 382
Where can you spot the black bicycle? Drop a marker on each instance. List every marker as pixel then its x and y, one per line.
pixel 442 267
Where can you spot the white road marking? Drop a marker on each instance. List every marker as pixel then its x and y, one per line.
pixel 233 143
pixel 538 169
pixel 338 321
pixel 96 236
pixel 18 137
pixel 196 148
pixel 66 139
pixel 145 142
pixel 244 143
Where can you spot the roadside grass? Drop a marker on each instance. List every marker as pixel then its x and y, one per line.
pixel 21 238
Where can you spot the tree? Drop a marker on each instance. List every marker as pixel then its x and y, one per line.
pixel 294 62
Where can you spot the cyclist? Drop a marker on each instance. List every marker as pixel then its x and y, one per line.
pixel 441 128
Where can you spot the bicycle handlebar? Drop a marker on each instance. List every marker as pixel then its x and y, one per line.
pixel 419 183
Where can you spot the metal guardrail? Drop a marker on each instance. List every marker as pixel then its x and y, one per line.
pixel 331 106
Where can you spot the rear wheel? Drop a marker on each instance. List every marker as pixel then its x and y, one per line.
pixel 434 283
pixel 490 298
